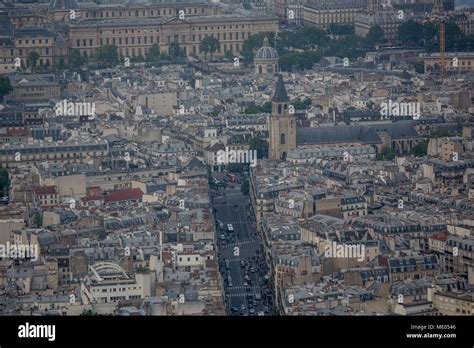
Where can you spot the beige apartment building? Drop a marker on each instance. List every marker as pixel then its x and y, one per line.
pixel 134 37
pixel 33 87
pixel 162 102
pixel 323 13
pixel 451 303
pixel 66 153
pixel 445 148
pixel 455 61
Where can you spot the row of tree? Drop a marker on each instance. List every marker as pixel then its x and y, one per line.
pixel 427 35
pixel 107 56
pixel 303 48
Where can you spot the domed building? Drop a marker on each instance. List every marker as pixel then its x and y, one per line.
pixel 266 59
pixel 375 16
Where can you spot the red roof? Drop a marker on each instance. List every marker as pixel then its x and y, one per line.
pixel 46 190
pixel 442 237
pixel 123 195
pixel 17 131
pixel 94 190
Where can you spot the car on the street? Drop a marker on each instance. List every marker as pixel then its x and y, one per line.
pixel 252 311
pixel 252 269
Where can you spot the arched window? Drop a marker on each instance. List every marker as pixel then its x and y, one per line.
pixel 259 69
pixel 282 139
pixel 279 108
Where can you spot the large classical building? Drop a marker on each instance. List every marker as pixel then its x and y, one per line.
pixel 18 41
pixel 90 10
pixel 285 136
pixel 326 12
pixel 387 20
pixel 133 27
pixel 134 37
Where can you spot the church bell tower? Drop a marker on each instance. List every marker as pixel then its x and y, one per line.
pixel 282 123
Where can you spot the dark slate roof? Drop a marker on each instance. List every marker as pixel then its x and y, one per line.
pixel 195 163
pixel 63 4
pixel 280 95
pixel 397 130
pixel 336 134
pixel 32 32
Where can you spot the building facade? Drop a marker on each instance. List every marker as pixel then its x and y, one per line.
pixel 134 38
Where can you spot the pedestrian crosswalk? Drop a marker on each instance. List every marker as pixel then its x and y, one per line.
pixel 245 242
pixel 253 288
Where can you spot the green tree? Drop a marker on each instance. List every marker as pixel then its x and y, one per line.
pixel 32 60
pixel 430 31
pixel 154 54
pixel 107 56
pixel 209 45
pixel 88 313
pixel 76 60
pixel 301 105
pixel 310 37
pixel 375 35
pixel 252 108
pixel 420 149
pixel 229 55
pixel 176 53
pixel 5 86
pixel 341 29
pixel 454 37
pixel 141 269
pixel 410 32
pixel 254 42
pixel 37 220
pixel 260 145
pixel 386 153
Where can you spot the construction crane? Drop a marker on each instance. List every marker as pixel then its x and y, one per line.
pixel 438 9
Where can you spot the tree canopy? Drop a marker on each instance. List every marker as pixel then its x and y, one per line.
pixel 33 58
pixel 5 86
pixel 209 45
pixel 261 145
pixel 107 56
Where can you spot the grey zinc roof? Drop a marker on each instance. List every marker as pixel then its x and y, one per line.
pixel 397 130
pixel 328 135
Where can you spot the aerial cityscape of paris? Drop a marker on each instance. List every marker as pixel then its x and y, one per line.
pixel 236 158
